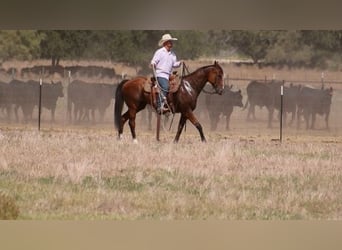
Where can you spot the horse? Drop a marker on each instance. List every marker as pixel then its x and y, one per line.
pixel 184 99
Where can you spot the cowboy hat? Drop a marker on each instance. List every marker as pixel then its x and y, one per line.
pixel 165 38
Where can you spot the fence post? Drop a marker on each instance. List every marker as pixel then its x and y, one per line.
pixel 322 80
pixel 68 114
pixel 69 76
pixel 40 102
pixel 281 111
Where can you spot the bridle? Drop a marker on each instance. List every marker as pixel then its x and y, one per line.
pixel 215 88
pixel 186 69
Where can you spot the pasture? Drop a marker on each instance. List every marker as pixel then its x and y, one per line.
pixel 81 171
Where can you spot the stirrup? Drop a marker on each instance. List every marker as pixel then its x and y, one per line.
pixel 163 110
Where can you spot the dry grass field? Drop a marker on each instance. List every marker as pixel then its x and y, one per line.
pixel 72 172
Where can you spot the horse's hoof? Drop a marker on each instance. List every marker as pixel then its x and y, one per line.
pixel 135 141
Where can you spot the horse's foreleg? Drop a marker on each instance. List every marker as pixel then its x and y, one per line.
pixel 198 126
pixel 181 124
pixel 196 123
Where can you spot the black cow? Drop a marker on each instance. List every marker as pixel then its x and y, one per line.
pixel 104 93
pixel 311 102
pixel 50 94
pixel 263 94
pixel 290 99
pixel 224 105
pixel 25 95
pixel 5 99
pixel 84 97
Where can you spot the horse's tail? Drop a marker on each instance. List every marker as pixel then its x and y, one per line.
pixel 119 102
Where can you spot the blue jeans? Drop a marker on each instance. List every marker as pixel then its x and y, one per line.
pixel 164 89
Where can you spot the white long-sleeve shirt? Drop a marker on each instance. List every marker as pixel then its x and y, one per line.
pixel 164 62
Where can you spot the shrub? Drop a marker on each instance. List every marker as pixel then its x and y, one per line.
pixel 8 208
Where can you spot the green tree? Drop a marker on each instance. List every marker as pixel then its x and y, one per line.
pixel 290 49
pixel 53 46
pixel 217 41
pixel 19 44
pixel 252 43
pixel 67 44
pixel 190 44
pixel 326 45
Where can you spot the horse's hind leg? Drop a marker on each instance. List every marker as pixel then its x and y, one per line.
pixel 131 122
pixel 124 118
pixel 130 116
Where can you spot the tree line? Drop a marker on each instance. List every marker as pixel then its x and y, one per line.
pixel 298 48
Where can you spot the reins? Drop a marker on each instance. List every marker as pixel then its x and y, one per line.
pixel 184 68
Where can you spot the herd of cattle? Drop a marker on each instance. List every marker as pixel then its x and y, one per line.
pixel 62 71
pixel 84 99
pixel 301 101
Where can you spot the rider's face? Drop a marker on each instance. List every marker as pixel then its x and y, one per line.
pixel 168 45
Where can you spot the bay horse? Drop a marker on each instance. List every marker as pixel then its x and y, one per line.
pixel 136 98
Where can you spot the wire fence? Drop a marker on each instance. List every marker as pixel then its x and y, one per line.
pixel 146 120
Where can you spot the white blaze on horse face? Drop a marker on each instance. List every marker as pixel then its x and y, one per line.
pixel 188 87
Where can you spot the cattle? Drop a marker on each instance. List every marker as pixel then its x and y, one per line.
pixel 42 70
pixel 50 94
pixel 88 71
pixel 263 94
pixel 313 101
pixel 5 101
pixel 217 105
pixel 91 71
pixel 25 95
pixel 290 99
pixel 86 97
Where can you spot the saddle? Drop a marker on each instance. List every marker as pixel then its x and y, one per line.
pixel 150 87
pixel 174 83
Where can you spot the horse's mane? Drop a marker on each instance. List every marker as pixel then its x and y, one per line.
pixel 201 68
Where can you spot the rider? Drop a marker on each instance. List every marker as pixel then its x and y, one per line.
pixel 163 61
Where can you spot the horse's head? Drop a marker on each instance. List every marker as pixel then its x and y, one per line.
pixel 215 77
